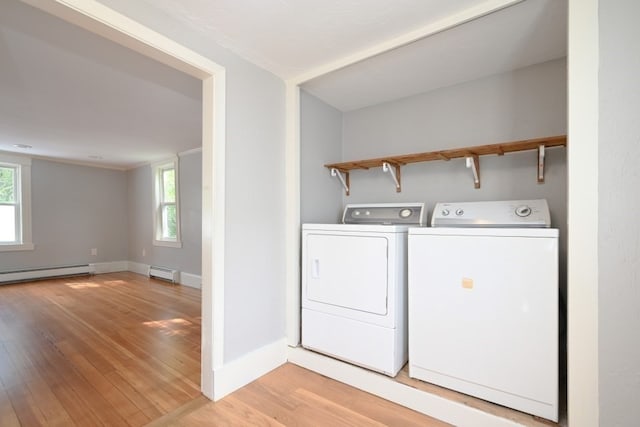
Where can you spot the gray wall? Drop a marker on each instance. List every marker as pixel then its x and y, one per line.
pixel 255 210
pixel 526 103
pixel 619 202
pixel 320 143
pixel 77 208
pixel 74 208
pixel 188 258
pixel 255 187
pixel 522 104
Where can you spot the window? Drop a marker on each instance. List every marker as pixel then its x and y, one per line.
pixel 15 203
pixel 166 212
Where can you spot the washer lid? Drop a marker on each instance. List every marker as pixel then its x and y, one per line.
pixel 508 213
pixel 385 214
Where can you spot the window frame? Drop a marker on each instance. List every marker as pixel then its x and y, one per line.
pixel 157 170
pixel 22 195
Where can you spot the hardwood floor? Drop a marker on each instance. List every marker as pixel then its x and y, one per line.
pixel 123 350
pixel 293 396
pixel 114 349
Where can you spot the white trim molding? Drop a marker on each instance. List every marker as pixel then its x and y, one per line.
pixel 17 247
pixel 449 411
pixel 583 399
pixel 292 232
pixel 197 150
pixel 138 268
pixel 214 229
pixel 240 372
pixel 191 280
pixel 186 279
pixel 158 212
pixel 24 240
pixel 109 267
pixel 474 12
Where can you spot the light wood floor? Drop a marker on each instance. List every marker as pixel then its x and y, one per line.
pixel 123 350
pixel 294 396
pixel 114 349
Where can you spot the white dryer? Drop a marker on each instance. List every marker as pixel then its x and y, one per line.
pixel 483 303
pixel 354 284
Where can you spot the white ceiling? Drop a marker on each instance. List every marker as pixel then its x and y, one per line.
pixel 290 37
pixel 72 95
pixel 527 33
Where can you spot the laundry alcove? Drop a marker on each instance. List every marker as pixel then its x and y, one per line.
pixel 501 77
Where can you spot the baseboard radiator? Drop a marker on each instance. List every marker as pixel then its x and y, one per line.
pixel 27 275
pixel 163 273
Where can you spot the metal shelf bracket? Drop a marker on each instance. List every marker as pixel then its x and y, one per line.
pixel 395 175
pixel 541 164
pixel 344 180
pixel 473 163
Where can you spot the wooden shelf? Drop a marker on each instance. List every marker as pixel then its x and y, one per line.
pixel 455 153
pixel 467 152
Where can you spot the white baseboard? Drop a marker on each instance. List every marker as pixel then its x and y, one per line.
pixel 240 372
pixel 186 279
pixel 191 280
pixel 110 267
pixel 435 406
pixel 136 267
pixel 29 274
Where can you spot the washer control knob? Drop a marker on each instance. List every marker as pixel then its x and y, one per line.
pixel 459 212
pixel 367 213
pixel 445 212
pixel 523 211
pixel 405 213
pixel 356 213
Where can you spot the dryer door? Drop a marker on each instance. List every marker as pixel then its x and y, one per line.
pixel 346 272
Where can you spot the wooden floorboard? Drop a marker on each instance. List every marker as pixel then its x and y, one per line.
pixel 121 349
pixel 115 349
pixel 293 396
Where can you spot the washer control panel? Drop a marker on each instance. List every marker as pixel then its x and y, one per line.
pixel 386 214
pixel 508 213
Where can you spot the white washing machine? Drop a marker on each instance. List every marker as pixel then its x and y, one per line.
pixel 354 282
pixel 483 303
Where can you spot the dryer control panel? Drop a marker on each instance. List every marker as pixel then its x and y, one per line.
pixel 386 214
pixel 501 214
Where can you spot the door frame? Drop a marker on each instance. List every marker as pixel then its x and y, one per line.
pixel 105 22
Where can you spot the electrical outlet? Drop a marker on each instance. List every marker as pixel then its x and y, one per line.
pixel 144 252
pixel 94 251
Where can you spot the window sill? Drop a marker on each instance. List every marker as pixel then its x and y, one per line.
pixel 167 244
pixel 16 247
